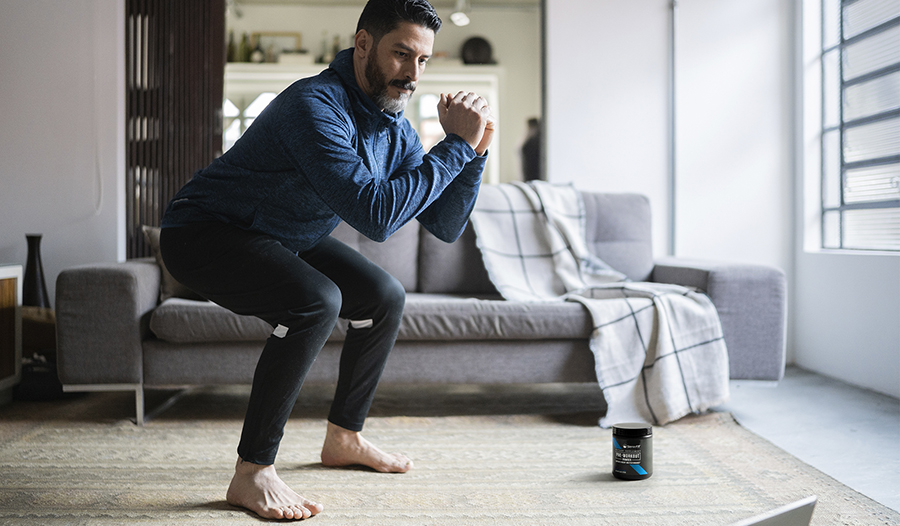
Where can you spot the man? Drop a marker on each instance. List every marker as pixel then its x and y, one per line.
pixel 250 232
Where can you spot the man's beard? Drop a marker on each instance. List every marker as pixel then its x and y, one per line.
pixel 379 85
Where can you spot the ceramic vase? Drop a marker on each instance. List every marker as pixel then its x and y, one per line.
pixel 34 288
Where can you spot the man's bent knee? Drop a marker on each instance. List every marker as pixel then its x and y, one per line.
pixel 385 303
pixel 318 310
pixel 392 294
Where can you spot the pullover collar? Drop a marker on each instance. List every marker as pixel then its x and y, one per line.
pixel 343 66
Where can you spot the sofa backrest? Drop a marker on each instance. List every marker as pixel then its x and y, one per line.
pixel 398 255
pixel 617 230
pixel 452 268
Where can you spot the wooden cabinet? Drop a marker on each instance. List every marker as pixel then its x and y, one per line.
pixel 10 329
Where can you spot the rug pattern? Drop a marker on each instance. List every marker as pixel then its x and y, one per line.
pixel 82 462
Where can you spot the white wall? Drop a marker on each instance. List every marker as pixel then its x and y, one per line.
pixel 607 89
pixel 608 117
pixel 514 33
pixel 62 131
pixel 734 171
pixel 847 318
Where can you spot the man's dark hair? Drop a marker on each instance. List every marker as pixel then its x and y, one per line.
pixel 380 17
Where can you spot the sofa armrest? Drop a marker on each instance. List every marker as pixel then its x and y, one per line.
pixel 752 304
pixel 102 316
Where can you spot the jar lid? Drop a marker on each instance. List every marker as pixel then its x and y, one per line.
pixel 632 429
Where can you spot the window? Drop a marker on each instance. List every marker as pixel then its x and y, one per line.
pixel 430 130
pixel 860 66
pixel 237 120
pixel 232 124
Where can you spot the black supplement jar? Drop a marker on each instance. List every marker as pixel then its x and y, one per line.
pixel 632 451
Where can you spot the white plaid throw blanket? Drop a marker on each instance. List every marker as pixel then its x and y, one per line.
pixel 658 349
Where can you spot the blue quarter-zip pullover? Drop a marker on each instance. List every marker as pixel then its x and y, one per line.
pixel 321 152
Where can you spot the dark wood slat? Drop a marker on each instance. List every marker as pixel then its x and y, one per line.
pixel 175 69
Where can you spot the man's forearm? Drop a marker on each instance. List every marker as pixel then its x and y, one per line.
pixel 447 216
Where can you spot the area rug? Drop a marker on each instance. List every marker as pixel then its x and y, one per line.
pixel 481 458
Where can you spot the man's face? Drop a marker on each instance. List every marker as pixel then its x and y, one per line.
pixel 395 64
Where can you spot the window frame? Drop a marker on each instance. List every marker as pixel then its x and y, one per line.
pixel 827 130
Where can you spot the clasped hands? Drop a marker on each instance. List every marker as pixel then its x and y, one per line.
pixel 469 116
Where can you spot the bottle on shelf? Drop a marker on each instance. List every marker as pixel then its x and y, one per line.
pixel 326 56
pixel 230 49
pixel 257 55
pixel 243 52
pixel 335 46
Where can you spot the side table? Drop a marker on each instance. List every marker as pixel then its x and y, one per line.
pixel 10 329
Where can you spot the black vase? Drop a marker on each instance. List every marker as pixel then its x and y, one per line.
pixel 34 288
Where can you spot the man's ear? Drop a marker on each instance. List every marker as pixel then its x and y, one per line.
pixel 362 43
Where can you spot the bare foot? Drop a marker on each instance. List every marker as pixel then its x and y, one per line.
pixel 260 490
pixel 348 448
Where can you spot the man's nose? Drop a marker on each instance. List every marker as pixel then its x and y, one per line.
pixel 412 72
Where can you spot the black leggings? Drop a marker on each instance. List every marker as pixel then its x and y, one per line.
pixel 301 296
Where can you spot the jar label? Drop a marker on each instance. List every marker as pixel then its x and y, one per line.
pixel 628 455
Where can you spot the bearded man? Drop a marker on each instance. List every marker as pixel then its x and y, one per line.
pixel 251 233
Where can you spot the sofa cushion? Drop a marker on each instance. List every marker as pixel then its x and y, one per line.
pixel 452 317
pixel 398 255
pixel 618 232
pixel 181 320
pixel 426 317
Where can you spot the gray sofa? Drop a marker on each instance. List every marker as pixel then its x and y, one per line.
pixel 115 333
